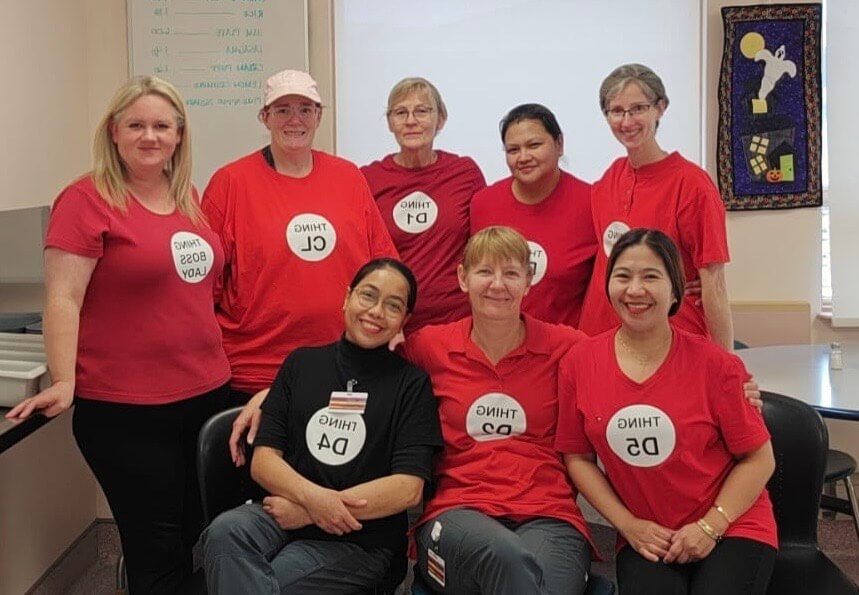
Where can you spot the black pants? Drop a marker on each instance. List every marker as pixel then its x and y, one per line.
pixel 144 458
pixel 239 398
pixel 737 566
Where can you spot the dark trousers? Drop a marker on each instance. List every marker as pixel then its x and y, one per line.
pixel 737 566
pixel 239 398
pixel 144 458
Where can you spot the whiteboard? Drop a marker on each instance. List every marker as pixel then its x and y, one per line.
pixel 218 53
pixel 486 56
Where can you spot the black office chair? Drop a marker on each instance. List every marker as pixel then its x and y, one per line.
pixel 224 486
pixel 840 466
pixel 739 345
pixel 800 442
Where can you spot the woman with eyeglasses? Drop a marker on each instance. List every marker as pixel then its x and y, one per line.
pixel 656 189
pixel 424 196
pixel 294 223
pixel 131 268
pixel 345 445
pixel 550 207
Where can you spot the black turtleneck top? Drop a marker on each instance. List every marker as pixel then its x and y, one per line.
pixel 398 432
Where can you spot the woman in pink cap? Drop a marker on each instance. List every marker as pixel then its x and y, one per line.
pixel 294 222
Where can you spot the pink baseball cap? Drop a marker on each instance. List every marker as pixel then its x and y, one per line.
pixel 291 82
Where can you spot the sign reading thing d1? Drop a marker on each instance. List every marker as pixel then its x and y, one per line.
pixel 335 438
pixel 611 235
pixel 192 256
pixel 311 237
pixel 495 416
pixel 641 435
pixel 415 213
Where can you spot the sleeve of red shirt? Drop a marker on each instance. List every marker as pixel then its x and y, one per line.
pixel 570 434
pixel 78 223
pixel 741 425
pixel 411 350
pixel 214 207
pixel 475 222
pixel 701 223
pixel 381 244
pixel 477 179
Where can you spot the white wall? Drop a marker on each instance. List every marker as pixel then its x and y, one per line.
pixel 842 33
pixel 486 56
pixel 44 119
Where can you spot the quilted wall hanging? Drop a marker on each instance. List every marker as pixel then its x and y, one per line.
pixel 769 140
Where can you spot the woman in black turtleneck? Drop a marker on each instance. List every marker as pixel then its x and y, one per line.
pixel 345 446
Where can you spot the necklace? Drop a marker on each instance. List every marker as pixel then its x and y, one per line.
pixel 643 360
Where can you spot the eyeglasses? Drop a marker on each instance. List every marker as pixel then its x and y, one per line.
pixel 616 114
pixel 284 113
pixel 368 299
pixel 401 114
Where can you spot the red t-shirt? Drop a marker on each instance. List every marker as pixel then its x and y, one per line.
pixel 674 196
pixel 498 423
pixel 426 212
pixel 561 236
pixel 148 333
pixel 666 444
pixel 292 247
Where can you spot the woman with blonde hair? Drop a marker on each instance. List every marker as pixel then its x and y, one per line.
pixel 503 517
pixel 130 330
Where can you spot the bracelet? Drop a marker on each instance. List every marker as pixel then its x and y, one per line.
pixel 721 511
pixel 708 530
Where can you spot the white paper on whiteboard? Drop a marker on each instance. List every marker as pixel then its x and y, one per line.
pixel 218 53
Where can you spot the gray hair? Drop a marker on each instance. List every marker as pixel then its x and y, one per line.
pixel 647 80
pixel 416 84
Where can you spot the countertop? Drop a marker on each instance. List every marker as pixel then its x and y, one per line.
pixel 11 432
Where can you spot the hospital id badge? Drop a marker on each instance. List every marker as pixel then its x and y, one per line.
pixel 435 567
pixel 347 402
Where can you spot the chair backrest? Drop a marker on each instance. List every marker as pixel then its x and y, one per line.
pixel 800 442
pixel 222 484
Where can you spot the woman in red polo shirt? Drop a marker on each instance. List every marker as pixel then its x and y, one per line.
pixel 503 518
pixel 685 459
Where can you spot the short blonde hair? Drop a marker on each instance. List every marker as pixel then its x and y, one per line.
pixel 496 244
pixel 416 84
pixel 109 173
